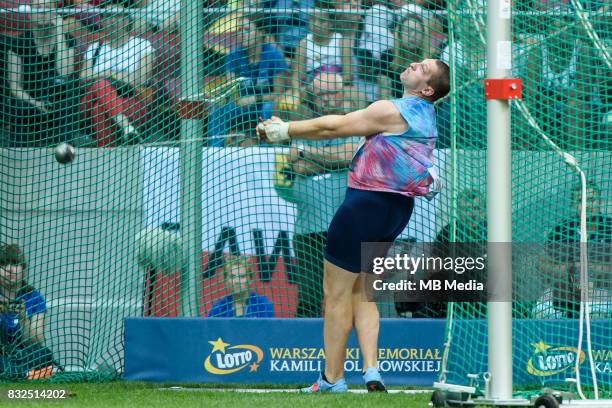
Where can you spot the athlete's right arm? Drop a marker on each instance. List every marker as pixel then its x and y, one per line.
pixel 381 116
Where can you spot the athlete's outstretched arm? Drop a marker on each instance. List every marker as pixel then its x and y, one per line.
pixel 376 118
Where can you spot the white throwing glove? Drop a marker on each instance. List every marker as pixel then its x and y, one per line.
pixel 273 130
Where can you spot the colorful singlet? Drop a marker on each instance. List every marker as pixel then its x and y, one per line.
pixel 399 163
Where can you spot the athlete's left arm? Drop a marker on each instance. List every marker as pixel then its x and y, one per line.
pixel 376 118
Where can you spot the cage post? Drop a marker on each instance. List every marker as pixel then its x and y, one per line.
pixel 499 205
pixel 191 155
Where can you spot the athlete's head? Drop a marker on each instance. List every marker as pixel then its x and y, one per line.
pixel 428 79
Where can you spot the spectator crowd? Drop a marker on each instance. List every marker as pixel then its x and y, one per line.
pixel 104 73
pixel 107 72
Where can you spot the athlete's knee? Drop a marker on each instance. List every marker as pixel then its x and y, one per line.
pixel 335 293
pixel 338 283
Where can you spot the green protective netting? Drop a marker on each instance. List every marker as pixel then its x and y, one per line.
pixel 561 51
pixel 162 108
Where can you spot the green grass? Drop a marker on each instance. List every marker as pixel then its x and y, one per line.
pixel 124 394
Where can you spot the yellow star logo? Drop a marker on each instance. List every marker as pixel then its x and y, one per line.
pixel 218 345
pixel 254 367
pixel 540 347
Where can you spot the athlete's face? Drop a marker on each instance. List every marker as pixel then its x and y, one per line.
pixel 416 77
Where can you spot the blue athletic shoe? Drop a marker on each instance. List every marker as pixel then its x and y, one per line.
pixel 323 386
pixel 373 380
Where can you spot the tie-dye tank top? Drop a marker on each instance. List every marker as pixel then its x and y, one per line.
pixel 398 163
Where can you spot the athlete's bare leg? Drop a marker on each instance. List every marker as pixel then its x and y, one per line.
pixel 366 320
pixel 338 286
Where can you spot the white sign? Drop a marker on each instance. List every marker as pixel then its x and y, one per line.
pixel 504 9
pixel 237 192
pixel 504 55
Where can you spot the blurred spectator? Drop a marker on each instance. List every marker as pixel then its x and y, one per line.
pixel 14 18
pixel 471 224
pixel 80 3
pixel 602 18
pixel 558 82
pixel 470 233
pixel 376 40
pixel 239 277
pixel 432 4
pixel 160 254
pixel 549 307
pixel 469 51
pixel 599 226
pixel 123 3
pixel 347 17
pixel 604 122
pixel 81 22
pixel 118 70
pixel 424 9
pixel 602 82
pixel 561 265
pixel 470 69
pixel 158 15
pixel 411 45
pixel 159 249
pixel 22 321
pixel 348 24
pixel 42 99
pixel 288 26
pixel 323 50
pixel 374 49
pixel 317 169
pixel 263 66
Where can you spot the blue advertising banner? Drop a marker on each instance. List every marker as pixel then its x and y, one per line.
pixel 289 351
pixel 544 351
pixel 275 351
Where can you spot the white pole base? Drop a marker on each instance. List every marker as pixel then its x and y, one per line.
pixel 602 403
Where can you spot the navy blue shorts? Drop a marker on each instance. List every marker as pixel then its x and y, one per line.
pixel 365 216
